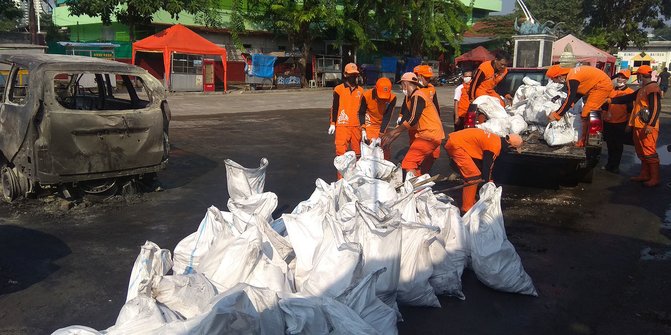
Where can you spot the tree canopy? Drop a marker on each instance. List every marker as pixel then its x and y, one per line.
pixel 134 12
pixel 9 15
pixel 607 24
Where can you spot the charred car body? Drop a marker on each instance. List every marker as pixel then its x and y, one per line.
pixel 78 121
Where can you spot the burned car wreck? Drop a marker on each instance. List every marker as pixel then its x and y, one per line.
pixel 82 123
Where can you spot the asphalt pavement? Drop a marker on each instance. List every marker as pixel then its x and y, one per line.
pixel 599 253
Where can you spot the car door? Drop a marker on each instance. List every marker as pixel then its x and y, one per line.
pixel 15 111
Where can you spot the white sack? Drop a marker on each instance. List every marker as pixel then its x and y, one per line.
pixel 517 124
pixel 447 266
pixel 379 234
pixel 142 315
pixel 372 150
pixel 346 164
pixel 189 295
pixel 416 267
pixel 231 260
pixel 334 264
pixel 243 182
pixel 76 330
pixel 559 133
pixel 498 126
pixel 494 259
pixel 363 300
pixel 305 233
pixel 152 263
pixel 377 168
pixel 491 107
pixel 191 249
pixel 303 315
pixel 244 209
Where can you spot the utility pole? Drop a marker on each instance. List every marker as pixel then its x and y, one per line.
pixel 32 22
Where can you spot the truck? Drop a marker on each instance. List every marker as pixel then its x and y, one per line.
pixel 570 164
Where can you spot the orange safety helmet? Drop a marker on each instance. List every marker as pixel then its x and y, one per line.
pixel 644 70
pixel 624 73
pixel 555 71
pixel 383 88
pixel 423 70
pixel 351 68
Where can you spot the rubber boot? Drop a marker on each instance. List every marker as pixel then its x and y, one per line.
pixel 582 141
pixel 645 172
pixel 654 175
pixel 468 197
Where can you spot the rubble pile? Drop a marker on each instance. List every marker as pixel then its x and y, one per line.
pixel 339 263
pixel 529 111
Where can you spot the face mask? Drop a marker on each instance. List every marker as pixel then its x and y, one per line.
pixel 621 84
pixel 467 79
pixel 405 92
pixel 351 80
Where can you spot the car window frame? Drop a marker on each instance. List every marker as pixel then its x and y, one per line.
pixel 15 71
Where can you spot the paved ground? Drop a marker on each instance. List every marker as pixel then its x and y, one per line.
pixel 597 252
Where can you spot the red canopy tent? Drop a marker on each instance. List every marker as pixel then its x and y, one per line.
pixel 178 39
pixel 479 54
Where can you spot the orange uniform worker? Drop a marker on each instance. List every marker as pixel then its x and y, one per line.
pixel 583 81
pixel 644 120
pixel 473 152
pixel 488 75
pixel 615 118
pixel 376 109
pixel 344 113
pixel 424 74
pixel 423 118
pixel 461 101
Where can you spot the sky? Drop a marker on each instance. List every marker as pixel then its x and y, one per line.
pixel 507 6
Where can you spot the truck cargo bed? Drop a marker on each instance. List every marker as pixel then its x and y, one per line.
pixel 535 145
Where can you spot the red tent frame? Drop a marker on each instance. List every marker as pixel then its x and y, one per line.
pixel 479 54
pixel 179 39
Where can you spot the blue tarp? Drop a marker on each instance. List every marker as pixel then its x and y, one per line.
pixel 263 66
pixel 411 62
pixel 388 64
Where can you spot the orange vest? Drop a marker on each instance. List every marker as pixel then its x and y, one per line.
pixel 617 113
pixel 348 105
pixel 375 108
pixel 476 141
pixel 491 79
pixel 428 127
pixel 590 78
pixel 462 105
pixel 643 103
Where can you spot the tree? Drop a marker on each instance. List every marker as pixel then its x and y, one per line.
pixel 501 28
pixel 621 22
pixel 10 15
pixel 425 27
pixel 133 12
pixel 569 12
pixel 301 21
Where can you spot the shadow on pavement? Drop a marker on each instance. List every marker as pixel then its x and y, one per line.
pixel 184 167
pixel 27 257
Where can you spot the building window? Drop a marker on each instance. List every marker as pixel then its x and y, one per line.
pixel 187 64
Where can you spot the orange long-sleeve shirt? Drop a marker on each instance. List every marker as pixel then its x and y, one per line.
pixel 581 81
pixel 346 104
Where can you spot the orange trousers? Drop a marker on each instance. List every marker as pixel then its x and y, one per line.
pixel 469 171
pixel 347 137
pixel 428 162
pixel 646 145
pixel 595 99
pixel 420 150
pixel 374 132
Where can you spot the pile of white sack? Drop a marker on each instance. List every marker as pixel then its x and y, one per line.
pixel 338 264
pixel 531 106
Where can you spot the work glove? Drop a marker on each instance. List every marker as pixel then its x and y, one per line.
pixel 331 129
pixel 400 119
pixel 363 135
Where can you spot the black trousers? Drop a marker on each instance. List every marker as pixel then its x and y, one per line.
pixel 614 135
